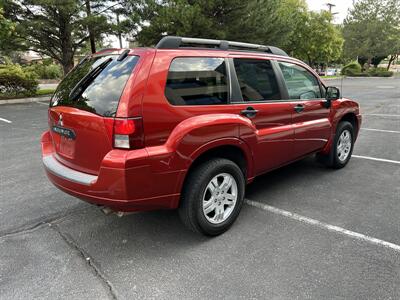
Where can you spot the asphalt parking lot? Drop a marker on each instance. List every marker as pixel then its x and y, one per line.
pixel 306 232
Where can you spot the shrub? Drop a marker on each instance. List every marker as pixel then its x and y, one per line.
pixel 15 81
pixel 351 69
pixel 46 70
pixel 379 72
pixel 386 74
pixel 359 74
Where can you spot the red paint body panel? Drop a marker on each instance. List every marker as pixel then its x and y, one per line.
pixel 174 136
pixel 312 127
pixel 92 142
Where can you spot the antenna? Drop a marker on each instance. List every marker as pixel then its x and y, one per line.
pixel 341 86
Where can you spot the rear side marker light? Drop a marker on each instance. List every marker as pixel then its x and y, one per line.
pixel 128 133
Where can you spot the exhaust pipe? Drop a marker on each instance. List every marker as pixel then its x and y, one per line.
pixel 108 211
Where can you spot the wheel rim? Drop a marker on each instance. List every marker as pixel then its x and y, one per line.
pixel 219 198
pixel 344 145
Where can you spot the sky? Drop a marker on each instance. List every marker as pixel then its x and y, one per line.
pixel 341 9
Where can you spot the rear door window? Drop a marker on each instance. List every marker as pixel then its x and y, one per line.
pixel 300 83
pixel 257 79
pixel 102 92
pixel 197 81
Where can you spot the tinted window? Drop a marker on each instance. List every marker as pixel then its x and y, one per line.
pixel 256 79
pixel 197 81
pixel 101 95
pixel 301 84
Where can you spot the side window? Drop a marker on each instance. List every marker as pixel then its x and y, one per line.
pixel 301 84
pixel 257 79
pixel 197 81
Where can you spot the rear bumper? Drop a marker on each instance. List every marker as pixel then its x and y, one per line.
pixel 55 167
pixel 124 182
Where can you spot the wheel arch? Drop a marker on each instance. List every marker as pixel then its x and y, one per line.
pixel 349 116
pixel 229 151
pixel 232 149
pixel 352 119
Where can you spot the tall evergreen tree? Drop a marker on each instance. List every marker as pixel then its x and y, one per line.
pixel 256 21
pixel 56 28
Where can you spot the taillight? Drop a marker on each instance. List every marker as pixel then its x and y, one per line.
pixel 128 133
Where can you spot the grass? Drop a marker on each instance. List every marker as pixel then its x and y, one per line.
pixel 43 92
pixel 331 77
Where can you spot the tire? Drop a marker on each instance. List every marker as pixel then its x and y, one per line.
pixel 205 207
pixel 342 147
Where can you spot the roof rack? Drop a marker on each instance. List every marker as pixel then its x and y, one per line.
pixel 176 42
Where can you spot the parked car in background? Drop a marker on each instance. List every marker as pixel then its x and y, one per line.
pixel 188 124
pixel 331 72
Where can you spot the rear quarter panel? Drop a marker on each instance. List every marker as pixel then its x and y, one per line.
pixel 130 103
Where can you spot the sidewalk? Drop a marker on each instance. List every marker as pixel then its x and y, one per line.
pixel 26 100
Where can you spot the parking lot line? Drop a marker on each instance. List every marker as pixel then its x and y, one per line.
pixel 380 130
pixel 381 115
pixel 326 226
pixel 5 120
pixel 377 159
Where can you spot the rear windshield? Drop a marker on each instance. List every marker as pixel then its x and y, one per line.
pixel 101 93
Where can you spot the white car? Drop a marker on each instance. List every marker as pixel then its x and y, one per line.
pixel 331 72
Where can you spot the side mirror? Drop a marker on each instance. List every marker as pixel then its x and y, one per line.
pixel 332 93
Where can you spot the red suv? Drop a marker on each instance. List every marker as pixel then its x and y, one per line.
pixel 188 124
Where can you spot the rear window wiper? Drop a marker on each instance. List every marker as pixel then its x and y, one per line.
pixel 81 86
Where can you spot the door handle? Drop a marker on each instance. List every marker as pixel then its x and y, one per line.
pixel 299 108
pixel 249 112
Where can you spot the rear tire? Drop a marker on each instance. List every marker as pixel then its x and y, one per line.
pixel 212 197
pixel 341 148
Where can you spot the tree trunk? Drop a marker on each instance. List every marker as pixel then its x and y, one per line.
pixel 392 59
pixel 119 32
pixel 369 63
pixel 68 64
pixel 309 60
pixel 67 49
pixel 90 29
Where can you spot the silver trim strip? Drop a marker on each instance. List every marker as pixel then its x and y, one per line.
pixel 53 166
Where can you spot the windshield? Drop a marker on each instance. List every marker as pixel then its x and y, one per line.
pixel 95 85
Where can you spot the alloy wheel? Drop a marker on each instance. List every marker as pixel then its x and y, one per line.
pixel 220 198
pixel 344 145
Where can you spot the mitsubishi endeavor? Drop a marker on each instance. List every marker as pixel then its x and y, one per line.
pixel 187 124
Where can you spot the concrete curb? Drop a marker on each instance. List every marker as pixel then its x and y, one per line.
pixel 371 77
pixel 327 79
pixel 25 100
pixel 350 77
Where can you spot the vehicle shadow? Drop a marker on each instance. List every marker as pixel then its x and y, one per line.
pixel 286 177
pixel 160 234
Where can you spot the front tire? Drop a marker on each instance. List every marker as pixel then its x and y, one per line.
pixel 342 147
pixel 212 196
